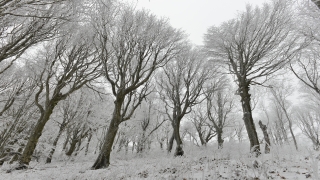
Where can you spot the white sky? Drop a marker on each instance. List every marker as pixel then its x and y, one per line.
pixel 195 16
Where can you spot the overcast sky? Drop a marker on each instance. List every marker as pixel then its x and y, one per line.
pixel 195 16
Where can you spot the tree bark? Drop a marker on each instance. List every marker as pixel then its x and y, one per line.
pixel 170 143
pixel 266 137
pixel 220 140
pixel 54 145
pixel 141 143
pixel 103 160
pixel 64 147
pixel 292 134
pixel 25 158
pixel 247 117
pixel 88 142
pixel 176 126
pixel 72 146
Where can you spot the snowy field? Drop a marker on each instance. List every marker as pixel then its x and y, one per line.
pixel 232 162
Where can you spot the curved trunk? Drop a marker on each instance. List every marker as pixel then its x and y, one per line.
pixel 266 137
pixel 103 160
pixel 176 132
pixel 25 158
pixel 293 136
pixel 248 120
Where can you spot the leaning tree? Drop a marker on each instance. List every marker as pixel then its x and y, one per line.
pixel 64 66
pixel 27 22
pixel 254 46
pixel 132 45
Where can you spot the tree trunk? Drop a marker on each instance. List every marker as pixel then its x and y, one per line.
pixel 179 151
pixel 266 137
pixel 72 146
pixel 103 160
pixel 220 140
pixel 78 146
pixel 141 143
pixel 170 143
pixel 87 145
pixel 247 118
pixel 25 158
pixel 293 136
pixel 54 145
pixel 16 156
pixel 64 147
pixel 203 142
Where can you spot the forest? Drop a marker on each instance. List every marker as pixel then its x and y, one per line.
pixel 99 89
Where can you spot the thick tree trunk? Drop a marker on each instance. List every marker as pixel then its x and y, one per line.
pixel 103 160
pixel 25 158
pixel 247 118
pixel 54 145
pixel 220 140
pixel 266 137
pixel 179 151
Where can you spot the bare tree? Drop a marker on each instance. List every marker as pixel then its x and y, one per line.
pixel 309 123
pixel 74 112
pixel 199 119
pixel 150 121
pixel 17 109
pixel 27 22
pixel 219 107
pixel 254 46
pixel 132 45
pixel 65 66
pixel 180 87
pixel 280 98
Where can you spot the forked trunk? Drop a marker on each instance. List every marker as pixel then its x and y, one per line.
pixel 248 120
pixel 72 146
pixel 266 137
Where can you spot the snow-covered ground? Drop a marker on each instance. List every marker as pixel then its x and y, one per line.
pixel 232 162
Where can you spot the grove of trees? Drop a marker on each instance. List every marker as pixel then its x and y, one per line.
pixel 99 77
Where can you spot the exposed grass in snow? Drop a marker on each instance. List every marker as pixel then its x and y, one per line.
pixel 232 162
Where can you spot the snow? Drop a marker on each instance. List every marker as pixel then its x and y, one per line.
pixel 232 162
